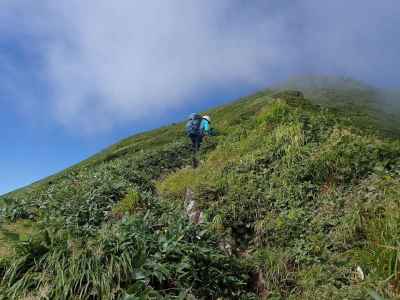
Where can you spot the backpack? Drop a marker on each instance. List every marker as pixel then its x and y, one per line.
pixel 193 125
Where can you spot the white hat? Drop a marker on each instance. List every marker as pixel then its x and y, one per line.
pixel 207 118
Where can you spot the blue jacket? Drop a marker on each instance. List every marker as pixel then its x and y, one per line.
pixel 205 127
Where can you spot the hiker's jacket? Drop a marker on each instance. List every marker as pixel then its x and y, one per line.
pixel 205 127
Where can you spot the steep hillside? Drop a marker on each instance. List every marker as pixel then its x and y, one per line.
pixel 292 200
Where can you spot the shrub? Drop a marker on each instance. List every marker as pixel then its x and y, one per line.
pixel 130 203
pixel 131 256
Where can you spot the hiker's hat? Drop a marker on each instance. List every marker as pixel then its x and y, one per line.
pixel 207 118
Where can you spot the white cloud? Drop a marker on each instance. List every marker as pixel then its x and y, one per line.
pixel 110 62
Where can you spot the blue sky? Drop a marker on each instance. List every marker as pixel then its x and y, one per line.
pixel 77 76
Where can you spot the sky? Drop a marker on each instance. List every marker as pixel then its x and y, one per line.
pixel 77 76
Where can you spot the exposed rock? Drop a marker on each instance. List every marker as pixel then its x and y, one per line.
pixel 359 274
pixel 195 215
pixel 227 245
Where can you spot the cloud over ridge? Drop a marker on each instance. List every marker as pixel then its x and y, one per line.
pixel 107 63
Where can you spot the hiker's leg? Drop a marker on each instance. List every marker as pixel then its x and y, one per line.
pixel 198 142
pixel 194 143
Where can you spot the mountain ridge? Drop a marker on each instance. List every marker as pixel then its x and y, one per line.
pixel 302 196
pixel 315 88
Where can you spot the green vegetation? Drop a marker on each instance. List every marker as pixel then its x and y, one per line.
pixel 362 104
pixel 300 201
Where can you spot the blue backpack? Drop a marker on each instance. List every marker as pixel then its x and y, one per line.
pixel 193 125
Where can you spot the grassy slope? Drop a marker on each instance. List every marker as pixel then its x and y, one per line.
pixel 367 105
pixel 302 194
pixel 129 146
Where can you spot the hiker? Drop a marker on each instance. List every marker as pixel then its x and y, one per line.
pixel 197 128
